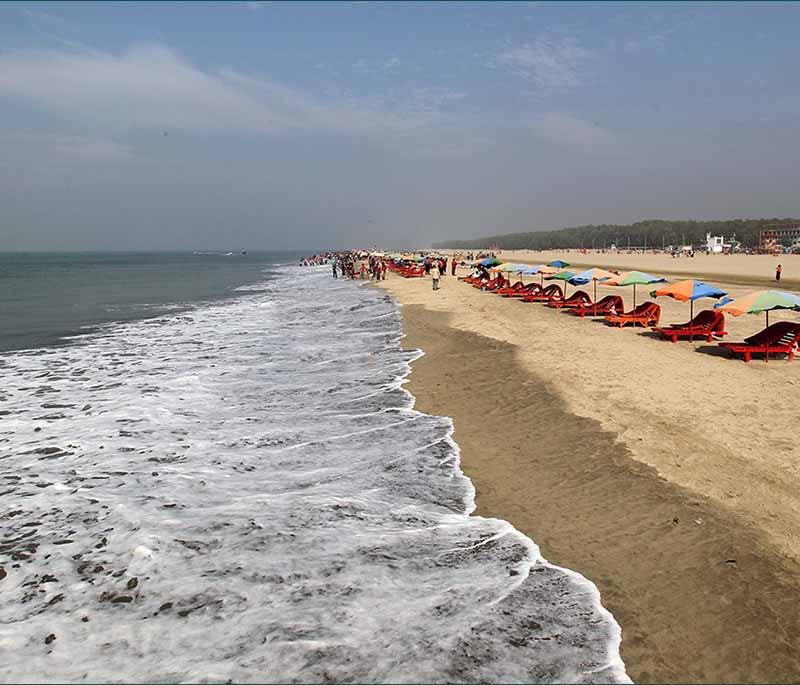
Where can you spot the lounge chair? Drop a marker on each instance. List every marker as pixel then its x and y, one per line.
pixel 645 314
pixel 495 284
pixel 551 293
pixel 610 304
pixel 530 289
pixel 707 324
pixel 782 337
pixel 578 298
pixel 519 285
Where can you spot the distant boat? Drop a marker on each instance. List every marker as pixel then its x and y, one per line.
pixel 244 251
pixel 229 254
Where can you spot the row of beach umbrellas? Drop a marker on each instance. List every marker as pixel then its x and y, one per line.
pixel 761 301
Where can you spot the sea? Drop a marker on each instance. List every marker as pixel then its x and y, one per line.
pixel 210 471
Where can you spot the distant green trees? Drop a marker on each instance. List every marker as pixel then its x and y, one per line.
pixel 651 232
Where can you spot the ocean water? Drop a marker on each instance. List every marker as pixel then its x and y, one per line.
pixel 241 490
pixel 45 296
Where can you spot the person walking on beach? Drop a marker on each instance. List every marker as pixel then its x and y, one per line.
pixel 335 271
pixel 435 273
pixel 778 271
pixel 453 266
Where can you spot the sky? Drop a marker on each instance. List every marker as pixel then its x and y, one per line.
pixel 270 125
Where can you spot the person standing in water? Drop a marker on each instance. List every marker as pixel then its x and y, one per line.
pixel 435 274
pixel 778 271
pixel 335 270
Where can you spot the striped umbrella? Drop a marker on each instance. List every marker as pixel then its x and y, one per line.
pixel 760 301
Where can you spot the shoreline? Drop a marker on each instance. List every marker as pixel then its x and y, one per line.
pixel 697 602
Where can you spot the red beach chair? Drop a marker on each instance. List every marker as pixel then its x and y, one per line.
pixel 782 337
pixel 551 293
pixel 578 298
pixel 530 289
pixel 495 284
pixel 508 290
pixel 610 304
pixel 707 324
pixel 645 314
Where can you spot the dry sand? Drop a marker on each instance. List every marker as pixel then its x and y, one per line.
pixel 667 474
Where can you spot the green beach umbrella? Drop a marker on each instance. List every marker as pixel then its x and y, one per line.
pixel 561 276
pixel 634 278
pixel 760 301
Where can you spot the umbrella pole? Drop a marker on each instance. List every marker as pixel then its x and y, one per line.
pixel 595 298
pixel 766 341
pixel 634 296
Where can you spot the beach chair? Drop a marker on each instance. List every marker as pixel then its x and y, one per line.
pixel 530 289
pixel 782 337
pixel 495 284
pixel 519 285
pixel 578 298
pixel 707 324
pixel 610 304
pixel 645 314
pixel 552 292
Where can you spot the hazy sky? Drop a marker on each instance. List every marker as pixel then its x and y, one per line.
pixel 305 125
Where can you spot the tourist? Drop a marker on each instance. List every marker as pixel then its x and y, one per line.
pixel 435 273
pixel 778 271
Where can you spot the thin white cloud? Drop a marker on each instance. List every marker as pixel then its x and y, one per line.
pixel 150 87
pixel 548 63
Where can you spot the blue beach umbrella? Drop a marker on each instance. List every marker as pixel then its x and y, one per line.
pixel 558 263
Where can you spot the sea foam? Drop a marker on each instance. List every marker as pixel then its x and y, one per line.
pixel 245 492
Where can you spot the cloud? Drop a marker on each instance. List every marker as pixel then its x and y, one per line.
pixel 56 146
pixel 151 87
pixel 559 127
pixel 548 63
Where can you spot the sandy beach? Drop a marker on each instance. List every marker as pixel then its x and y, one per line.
pixel 666 473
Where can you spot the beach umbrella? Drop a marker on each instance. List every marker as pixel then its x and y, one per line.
pixel 591 276
pixel 558 263
pixel 489 261
pixel 690 290
pixel 634 278
pixel 565 276
pixel 757 302
pixel 540 269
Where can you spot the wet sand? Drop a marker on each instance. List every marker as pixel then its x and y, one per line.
pixel 702 590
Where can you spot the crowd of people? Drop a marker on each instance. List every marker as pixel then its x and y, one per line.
pixel 354 264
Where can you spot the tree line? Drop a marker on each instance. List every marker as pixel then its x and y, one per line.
pixel 652 233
